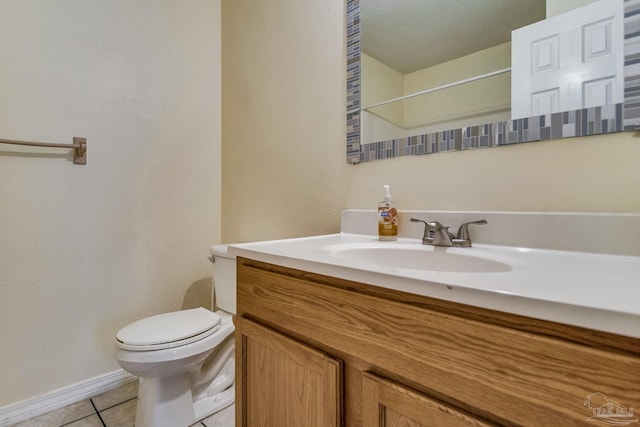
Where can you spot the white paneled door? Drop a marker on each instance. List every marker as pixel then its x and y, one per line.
pixel 568 62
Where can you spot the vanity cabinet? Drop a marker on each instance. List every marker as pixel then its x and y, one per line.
pixel 314 350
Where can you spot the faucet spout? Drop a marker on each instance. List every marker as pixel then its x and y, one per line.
pixel 437 234
pixel 441 235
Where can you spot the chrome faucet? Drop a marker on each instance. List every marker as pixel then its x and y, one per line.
pixel 437 234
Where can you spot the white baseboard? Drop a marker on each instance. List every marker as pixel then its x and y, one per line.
pixel 56 399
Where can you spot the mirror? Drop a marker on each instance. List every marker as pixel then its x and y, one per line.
pixel 470 115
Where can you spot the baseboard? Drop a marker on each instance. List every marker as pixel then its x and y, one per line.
pixel 62 397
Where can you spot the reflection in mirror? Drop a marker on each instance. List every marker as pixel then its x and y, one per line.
pixel 569 61
pixel 470 115
pixel 410 47
pixel 438 98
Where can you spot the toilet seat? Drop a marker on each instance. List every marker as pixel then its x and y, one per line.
pixel 168 330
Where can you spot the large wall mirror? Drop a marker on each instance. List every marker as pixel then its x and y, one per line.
pixel 427 76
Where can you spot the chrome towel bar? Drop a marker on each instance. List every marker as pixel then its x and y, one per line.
pixel 79 147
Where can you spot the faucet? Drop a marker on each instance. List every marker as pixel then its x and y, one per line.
pixel 437 234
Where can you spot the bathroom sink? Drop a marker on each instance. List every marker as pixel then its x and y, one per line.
pixel 419 257
pixel 550 283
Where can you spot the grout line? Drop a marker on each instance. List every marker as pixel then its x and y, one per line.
pixel 97 413
pixel 75 421
pixel 114 405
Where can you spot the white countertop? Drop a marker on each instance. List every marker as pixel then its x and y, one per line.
pixel 597 291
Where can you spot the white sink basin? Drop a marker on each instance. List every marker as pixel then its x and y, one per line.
pixel 418 257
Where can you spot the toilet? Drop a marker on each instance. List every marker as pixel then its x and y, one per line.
pixel 185 359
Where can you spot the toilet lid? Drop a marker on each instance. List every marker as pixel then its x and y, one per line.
pixel 168 330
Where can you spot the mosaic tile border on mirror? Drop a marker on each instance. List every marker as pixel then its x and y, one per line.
pixel 589 121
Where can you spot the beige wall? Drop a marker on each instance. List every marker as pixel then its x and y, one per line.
pixel 284 171
pixel 380 83
pixel 476 98
pixel 86 249
pixel 284 168
pixel 589 174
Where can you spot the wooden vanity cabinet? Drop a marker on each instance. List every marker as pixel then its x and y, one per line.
pixel 313 350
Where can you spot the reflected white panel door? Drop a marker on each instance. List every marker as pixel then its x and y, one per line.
pixel 567 62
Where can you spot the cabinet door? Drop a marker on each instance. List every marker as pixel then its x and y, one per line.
pixel 388 404
pixel 287 383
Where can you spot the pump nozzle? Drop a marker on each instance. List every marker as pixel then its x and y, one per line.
pixel 387 196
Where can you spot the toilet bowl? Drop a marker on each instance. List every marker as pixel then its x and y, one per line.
pixel 185 359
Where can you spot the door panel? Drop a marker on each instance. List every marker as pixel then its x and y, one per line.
pixel 287 383
pixel 388 404
pixel 569 62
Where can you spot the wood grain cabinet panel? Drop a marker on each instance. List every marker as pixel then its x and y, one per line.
pixel 286 383
pixel 388 404
pixel 466 363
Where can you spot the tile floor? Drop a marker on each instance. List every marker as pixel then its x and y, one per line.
pixel 115 408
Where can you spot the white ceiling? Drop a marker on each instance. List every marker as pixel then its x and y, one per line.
pixel 409 35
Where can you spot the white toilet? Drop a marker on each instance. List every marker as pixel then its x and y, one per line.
pixel 185 359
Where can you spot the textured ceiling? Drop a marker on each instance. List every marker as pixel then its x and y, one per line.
pixel 409 35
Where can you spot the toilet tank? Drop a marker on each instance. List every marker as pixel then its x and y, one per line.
pixel 224 278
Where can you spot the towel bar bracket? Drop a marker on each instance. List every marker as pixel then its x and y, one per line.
pixel 79 150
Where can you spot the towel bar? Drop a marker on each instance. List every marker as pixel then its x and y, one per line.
pixel 79 147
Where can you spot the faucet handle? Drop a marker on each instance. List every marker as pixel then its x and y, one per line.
pixel 463 230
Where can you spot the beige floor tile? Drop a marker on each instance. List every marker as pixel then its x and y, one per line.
pixel 116 396
pixel 60 416
pixel 122 415
pixel 92 421
pixel 223 418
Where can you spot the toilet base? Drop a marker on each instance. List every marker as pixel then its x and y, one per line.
pixel 210 405
pixel 168 402
pixel 164 401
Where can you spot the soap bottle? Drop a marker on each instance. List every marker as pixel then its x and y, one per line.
pixel 387 218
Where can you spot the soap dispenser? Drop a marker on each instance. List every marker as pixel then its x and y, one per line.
pixel 387 217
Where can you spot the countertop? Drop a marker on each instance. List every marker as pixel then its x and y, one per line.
pixel 596 291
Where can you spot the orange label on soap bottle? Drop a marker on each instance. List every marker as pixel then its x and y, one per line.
pixel 387 222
